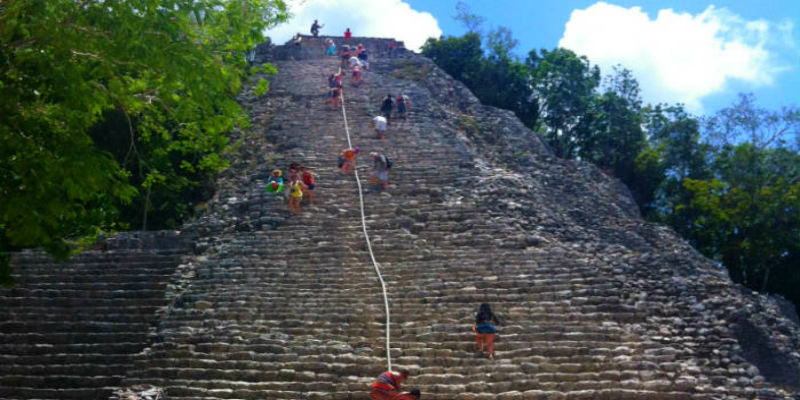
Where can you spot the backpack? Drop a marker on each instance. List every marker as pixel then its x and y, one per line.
pixel 388 163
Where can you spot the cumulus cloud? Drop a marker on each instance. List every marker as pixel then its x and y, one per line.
pixel 374 18
pixel 677 57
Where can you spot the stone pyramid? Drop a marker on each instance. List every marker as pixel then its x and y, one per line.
pixel 250 302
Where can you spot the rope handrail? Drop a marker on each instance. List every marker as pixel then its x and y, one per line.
pixel 366 237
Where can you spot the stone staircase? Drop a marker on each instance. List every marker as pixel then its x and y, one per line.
pixel 596 303
pixel 70 329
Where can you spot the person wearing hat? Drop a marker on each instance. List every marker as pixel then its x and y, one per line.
pixel 275 182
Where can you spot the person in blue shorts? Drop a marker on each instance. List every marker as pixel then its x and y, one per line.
pixel 484 328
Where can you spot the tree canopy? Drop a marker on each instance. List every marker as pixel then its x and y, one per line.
pixel 108 104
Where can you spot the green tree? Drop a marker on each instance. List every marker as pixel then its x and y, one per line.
pixel 472 22
pixel 749 217
pixel 461 57
pixel 500 42
pixel 498 79
pixel 745 122
pixel 564 84
pixel 614 136
pixel 166 72
pixel 675 134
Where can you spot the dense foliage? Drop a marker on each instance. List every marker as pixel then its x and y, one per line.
pixel 115 113
pixel 727 183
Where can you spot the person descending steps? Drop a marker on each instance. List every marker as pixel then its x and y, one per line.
pixel 347 160
pixel 380 170
pixel 335 90
pixel 403 105
pixel 387 385
pixel 308 180
pixel 363 57
pixel 356 72
pixel 386 107
pixel 296 188
pixel 345 56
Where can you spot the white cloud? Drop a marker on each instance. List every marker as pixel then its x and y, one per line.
pixel 373 18
pixel 677 57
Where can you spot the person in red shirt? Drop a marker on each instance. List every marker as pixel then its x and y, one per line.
pixel 308 180
pixel 347 34
pixel 387 385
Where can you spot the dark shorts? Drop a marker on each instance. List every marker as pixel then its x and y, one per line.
pixel 485 328
pixel 311 185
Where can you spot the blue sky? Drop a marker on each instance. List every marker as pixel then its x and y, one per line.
pixel 698 53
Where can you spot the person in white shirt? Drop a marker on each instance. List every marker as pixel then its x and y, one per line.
pixel 379 123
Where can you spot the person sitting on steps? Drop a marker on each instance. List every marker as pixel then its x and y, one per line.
pixel 331 48
pixel 484 328
pixel 275 182
pixel 387 385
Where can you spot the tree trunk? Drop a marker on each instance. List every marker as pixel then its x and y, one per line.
pixel 146 207
pixel 766 279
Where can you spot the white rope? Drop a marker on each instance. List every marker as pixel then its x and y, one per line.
pixel 366 237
